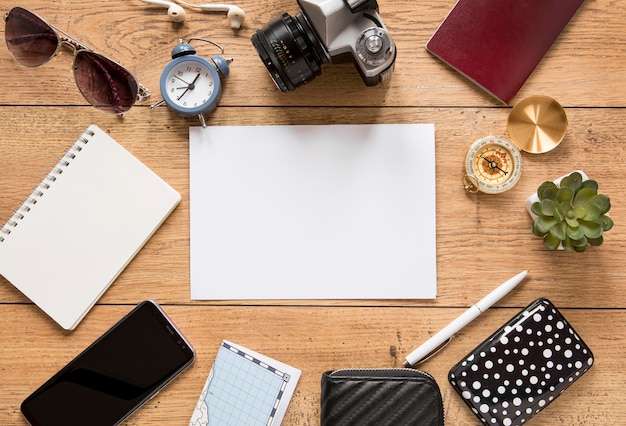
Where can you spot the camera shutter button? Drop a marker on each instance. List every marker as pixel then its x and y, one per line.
pixel 374 44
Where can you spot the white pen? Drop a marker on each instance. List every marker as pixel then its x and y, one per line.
pixel 428 347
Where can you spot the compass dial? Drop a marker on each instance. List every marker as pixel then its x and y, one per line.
pixel 493 165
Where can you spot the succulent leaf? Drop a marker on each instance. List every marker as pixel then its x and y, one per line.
pixel 590 184
pixel 592 212
pixel 602 201
pixel 596 241
pixel 543 224
pixel 583 242
pixel 534 230
pixel 575 233
pixel 561 210
pixel 573 181
pixel 536 208
pixel 606 222
pixel 546 190
pixel 564 195
pixel 576 213
pixel 559 231
pixel 583 196
pixel 551 242
pixel 549 207
pixel 591 229
pixel 567 245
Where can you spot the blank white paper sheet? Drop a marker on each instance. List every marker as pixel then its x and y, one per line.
pixel 313 212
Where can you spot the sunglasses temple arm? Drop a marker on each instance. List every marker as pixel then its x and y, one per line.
pixel 69 40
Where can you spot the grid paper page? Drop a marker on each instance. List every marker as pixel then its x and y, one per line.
pixel 245 388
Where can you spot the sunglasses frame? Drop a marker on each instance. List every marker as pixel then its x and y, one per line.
pixel 64 39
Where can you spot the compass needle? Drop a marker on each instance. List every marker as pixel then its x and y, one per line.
pixel 493 165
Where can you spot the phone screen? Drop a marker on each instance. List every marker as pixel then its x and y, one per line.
pixel 115 375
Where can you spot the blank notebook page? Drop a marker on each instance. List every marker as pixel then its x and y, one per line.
pixel 313 212
pixel 85 228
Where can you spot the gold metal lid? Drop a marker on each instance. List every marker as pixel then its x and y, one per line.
pixel 537 124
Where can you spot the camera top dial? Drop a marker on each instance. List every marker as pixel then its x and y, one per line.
pixel 375 47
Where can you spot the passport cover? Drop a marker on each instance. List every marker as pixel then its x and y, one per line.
pixel 498 43
pixel 521 368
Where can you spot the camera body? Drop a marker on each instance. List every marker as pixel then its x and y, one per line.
pixel 293 49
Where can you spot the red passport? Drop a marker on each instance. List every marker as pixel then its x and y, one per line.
pixel 498 43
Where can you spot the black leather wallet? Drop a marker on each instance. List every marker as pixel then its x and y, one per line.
pixel 385 396
pixel 521 368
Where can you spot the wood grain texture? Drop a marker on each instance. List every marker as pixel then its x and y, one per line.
pixel 481 240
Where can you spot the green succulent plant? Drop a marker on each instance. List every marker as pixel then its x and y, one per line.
pixel 572 215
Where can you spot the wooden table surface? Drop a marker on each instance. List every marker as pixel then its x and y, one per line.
pixel 481 239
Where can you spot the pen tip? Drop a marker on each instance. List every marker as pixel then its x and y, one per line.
pixel 407 364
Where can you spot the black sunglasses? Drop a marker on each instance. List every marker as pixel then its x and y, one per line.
pixel 105 84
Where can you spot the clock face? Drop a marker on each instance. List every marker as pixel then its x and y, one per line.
pixel 493 164
pixel 190 86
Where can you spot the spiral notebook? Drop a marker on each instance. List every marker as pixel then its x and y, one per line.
pixel 80 227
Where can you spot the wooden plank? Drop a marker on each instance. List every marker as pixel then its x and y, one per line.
pixel 589 55
pixel 481 239
pixel 314 339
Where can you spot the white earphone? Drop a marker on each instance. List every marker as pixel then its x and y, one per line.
pixel 175 12
pixel 235 14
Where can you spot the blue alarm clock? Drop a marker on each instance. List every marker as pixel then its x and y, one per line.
pixel 190 84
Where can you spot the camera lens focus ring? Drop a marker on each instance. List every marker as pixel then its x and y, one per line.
pixel 308 53
pixel 290 50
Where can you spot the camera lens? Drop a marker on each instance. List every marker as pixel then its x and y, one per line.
pixel 290 50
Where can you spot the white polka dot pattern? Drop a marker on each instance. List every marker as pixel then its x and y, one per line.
pixel 522 367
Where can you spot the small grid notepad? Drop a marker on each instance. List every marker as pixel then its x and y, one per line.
pixel 245 387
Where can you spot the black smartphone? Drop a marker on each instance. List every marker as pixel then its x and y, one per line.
pixel 115 375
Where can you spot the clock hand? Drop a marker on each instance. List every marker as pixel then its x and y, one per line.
pixel 182 94
pixel 190 86
pixel 181 80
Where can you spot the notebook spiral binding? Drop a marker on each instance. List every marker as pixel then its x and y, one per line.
pixel 44 184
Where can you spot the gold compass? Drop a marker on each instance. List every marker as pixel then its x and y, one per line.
pixel 492 165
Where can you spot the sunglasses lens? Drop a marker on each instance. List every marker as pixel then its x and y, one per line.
pixel 104 83
pixel 29 39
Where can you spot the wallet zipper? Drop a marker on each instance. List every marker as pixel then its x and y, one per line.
pixel 382 370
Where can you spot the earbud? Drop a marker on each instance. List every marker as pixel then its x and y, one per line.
pixel 235 14
pixel 175 12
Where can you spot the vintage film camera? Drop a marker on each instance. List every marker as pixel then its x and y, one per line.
pixel 294 49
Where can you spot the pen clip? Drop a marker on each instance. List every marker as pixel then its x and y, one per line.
pixel 434 351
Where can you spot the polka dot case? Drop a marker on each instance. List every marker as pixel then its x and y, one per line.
pixel 522 367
